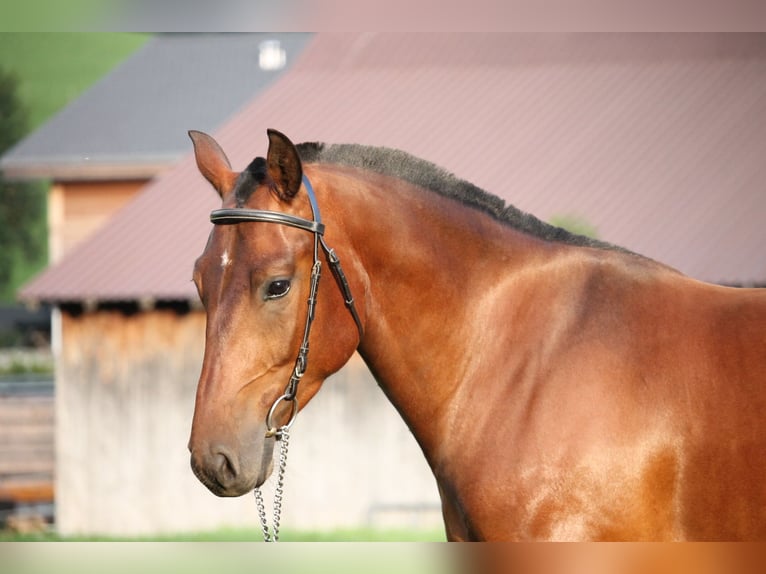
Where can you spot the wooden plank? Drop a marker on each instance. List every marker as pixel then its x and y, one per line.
pixel 10 471
pixel 25 452
pixel 22 401
pixel 31 399
pixel 26 434
pixel 13 411
pixel 27 491
pixel 10 466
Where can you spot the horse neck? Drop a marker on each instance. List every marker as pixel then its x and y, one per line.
pixel 427 264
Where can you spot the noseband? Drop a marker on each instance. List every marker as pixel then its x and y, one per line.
pixel 315 226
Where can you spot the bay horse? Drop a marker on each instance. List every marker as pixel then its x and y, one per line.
pixel 560 388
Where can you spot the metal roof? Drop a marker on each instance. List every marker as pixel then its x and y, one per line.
pixel 145 252
pixel 655 141
pixel 132 123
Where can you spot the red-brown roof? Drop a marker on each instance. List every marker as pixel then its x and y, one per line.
pixel 656 141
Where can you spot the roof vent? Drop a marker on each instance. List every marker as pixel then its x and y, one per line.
pixel 271 55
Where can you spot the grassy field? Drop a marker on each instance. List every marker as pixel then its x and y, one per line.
pixel 306 558
pixel 55 68
pixel 246 535
pixel 377 552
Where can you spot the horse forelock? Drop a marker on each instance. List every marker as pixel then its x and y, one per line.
pixel 250 178
pixel 422 173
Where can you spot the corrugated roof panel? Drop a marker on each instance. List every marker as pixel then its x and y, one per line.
pixel 146 250
pixel 662 155
pixel 135 117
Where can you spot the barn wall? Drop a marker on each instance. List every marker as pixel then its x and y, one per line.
pixel 77 209
pixel 124 400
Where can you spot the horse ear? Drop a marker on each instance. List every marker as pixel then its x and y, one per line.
pixel 284 165
pixel 212 162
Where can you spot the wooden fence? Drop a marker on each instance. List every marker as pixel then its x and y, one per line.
pixel 26 446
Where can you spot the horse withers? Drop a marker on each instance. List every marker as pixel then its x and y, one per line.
pixel 561 388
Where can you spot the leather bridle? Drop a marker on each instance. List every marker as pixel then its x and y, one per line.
pixel 315 226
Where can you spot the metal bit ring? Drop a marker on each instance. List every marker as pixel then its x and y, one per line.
pixel 271 430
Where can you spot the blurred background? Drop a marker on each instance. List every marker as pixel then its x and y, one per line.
pixel 651 141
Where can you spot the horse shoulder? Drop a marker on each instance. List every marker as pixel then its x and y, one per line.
pixel 608 408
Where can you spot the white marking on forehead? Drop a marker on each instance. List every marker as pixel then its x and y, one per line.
pixel 225 259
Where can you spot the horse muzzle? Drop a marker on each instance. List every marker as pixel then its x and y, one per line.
pixel 227 473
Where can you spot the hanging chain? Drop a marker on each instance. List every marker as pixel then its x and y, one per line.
pixel 284 437
pixel 315 226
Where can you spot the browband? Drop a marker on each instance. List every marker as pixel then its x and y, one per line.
pixel 240 214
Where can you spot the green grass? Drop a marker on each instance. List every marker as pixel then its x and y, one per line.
pixel 245 535
pixel 149 558
pixel 16 368
pixel 575 224
pixel 51 15
pixel 54 68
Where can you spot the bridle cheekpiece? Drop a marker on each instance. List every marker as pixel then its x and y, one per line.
pixel 315 226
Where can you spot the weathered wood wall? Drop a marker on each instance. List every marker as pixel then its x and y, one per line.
pixel 124 402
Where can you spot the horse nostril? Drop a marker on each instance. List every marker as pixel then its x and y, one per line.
pixel 219 471
pixel 225 469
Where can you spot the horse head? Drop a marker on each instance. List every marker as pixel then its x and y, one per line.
pixel 254 279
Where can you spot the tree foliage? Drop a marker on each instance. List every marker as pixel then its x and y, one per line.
pixel 22 205
pixel 575 224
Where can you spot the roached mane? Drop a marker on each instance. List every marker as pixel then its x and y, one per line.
pixel 399 164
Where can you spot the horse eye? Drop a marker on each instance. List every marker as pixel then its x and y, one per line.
pixel 277 289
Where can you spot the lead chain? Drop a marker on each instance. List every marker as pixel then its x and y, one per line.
pixel 284 438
